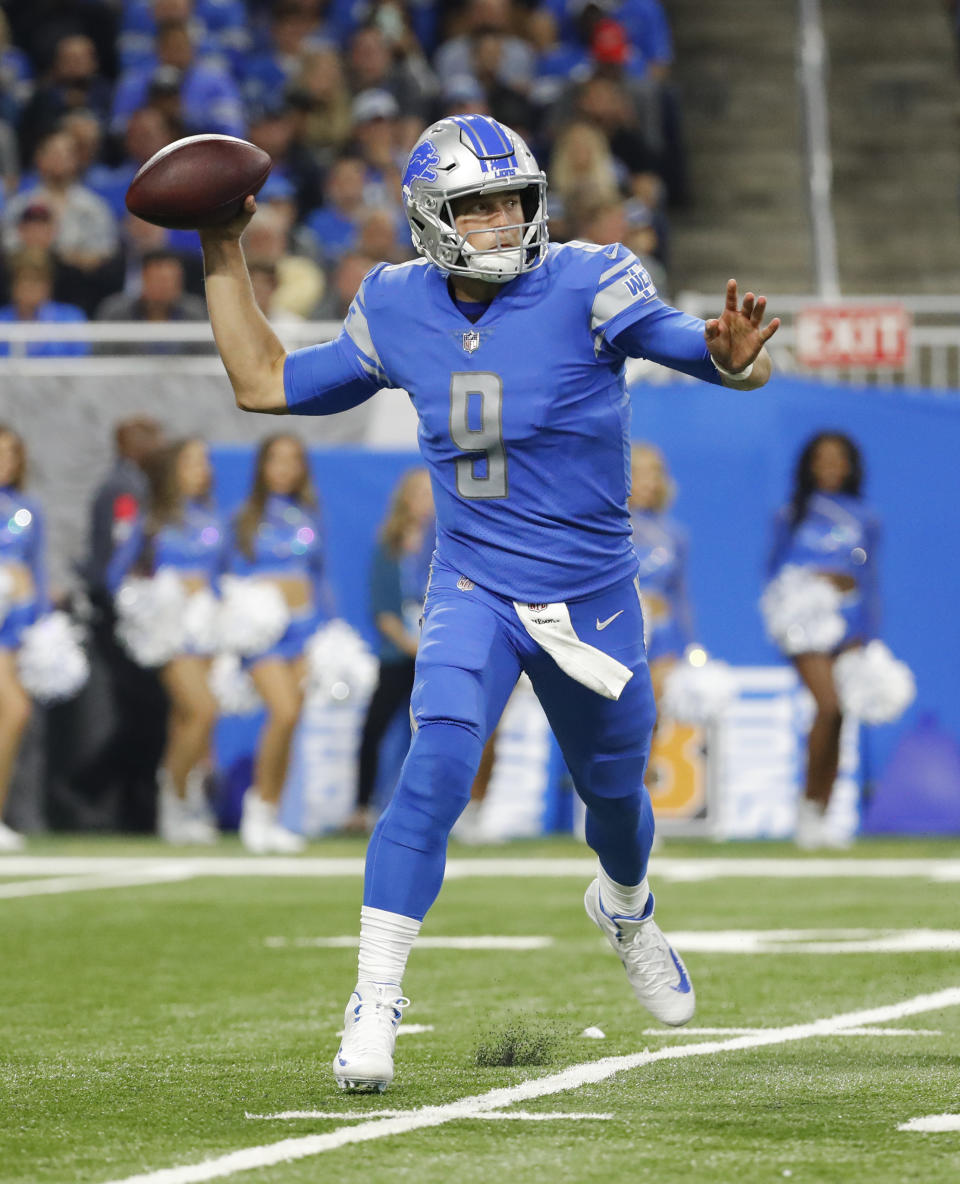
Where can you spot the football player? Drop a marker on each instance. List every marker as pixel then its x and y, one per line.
pixel 512 350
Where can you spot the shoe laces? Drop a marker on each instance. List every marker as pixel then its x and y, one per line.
pixel 647 953
pixel 376 1019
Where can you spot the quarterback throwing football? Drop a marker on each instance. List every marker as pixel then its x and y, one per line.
pixel 512 350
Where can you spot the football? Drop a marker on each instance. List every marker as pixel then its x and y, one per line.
pixel 197 182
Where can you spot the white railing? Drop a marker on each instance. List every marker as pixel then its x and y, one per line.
pixel 934 362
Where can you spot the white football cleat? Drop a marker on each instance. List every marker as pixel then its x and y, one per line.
pixel 654 970
pixel 364 1060
pixel 261 833
pixel 811 831
pixel 176 822
pixel 10 840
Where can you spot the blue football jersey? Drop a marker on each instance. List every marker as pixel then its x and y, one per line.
pixel 524 416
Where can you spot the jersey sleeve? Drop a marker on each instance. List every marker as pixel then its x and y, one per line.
pixel 339 374
pixel 628 317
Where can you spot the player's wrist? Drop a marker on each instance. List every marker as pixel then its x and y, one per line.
pixel 733 375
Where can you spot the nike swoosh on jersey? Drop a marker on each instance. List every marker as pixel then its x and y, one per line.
pixel 608 621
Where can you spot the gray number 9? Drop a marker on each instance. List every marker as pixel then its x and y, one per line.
pixel 487 440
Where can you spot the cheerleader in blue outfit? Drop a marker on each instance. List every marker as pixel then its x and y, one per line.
pixel 180 531
pixel 661 546
pixel 828 529
pixel 24 584
pixel 277 536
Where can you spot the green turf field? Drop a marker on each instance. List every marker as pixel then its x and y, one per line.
pixel 160 1023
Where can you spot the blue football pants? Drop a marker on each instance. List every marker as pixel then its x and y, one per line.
pixel 472 650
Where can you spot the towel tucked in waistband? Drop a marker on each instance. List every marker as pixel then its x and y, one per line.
pixel 551 628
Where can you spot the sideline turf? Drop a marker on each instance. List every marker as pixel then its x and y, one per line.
pixel 139 1024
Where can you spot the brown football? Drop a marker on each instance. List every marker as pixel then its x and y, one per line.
pixel 197 182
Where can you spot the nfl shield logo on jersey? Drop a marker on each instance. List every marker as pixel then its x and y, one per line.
pixel 471 341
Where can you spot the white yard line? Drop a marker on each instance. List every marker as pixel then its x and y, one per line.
pixel 153 874
pixel 816 941
pixel 572 1078
pixel 932 1123
pixel 354 1116
pixel 663 868
pixel 347 942
pixel 757 1031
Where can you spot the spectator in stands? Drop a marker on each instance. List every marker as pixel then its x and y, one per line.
pixel 206 96
pixel 86 229
pixel 335 223
pixel 31 292
pixel 148 130
pixel 507 101
pixel 321 101
pixel 558 62
pixel 219 27
pixel 16 75
pixel 300 283
pixel 274 129
pixel 180 531
pixel 398 582
pixel 582 168
pixel 828 529
pixel 376 63
pixel 344 283
pixel 73 83
pixel 274 70
pixel 461 95
pixel 607 104
pixel 378 141
pixel 23 564
pixel 382 237
pixel 161 300
pixel 517 64
pixel 277 537
pixel 613 220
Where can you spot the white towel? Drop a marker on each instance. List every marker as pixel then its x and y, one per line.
pixel 550 627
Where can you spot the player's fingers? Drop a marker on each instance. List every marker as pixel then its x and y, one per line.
pixel 711 328
pixel 758 309
pixel 731 299
pixel 250 204
pixel 748 302
pixel 767 333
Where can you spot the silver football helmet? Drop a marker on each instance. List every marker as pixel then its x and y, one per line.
pixel 474 154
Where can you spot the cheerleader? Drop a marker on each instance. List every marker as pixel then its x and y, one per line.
pixel 277 537
pixel 828 530
pixel 181 532
pixel 661 546
pixel 23 598
pixel 398 584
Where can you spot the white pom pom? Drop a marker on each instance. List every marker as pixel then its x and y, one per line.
pixel 6 593
pixel 150 618
pixel 697 688
pixel 201 620
pixel 253 615
pixel 801 611
pixel 874 685
pixel 232 687
pixel 339 662
pixel 51 661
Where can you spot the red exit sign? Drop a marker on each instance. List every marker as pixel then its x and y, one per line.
pixel 870 336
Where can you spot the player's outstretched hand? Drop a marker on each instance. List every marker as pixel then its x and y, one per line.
pixel 736 337
pixel 232 230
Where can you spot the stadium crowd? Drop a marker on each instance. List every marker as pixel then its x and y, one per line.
pixel 337 92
